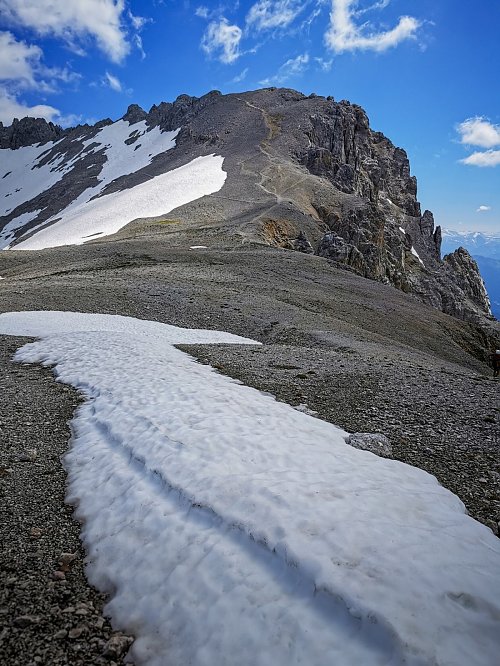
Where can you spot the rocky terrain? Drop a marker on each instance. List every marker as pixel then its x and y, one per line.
pixel 359 353
pixel 297 168
pixel 315 246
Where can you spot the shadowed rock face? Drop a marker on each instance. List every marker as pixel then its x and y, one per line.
pixel 304 173
pixel 28 131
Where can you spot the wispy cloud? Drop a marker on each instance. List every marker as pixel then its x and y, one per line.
pixel 202 11
pixel 483 209
pixel 272 14
pixel 345 35
pixel 112 82
pixel 289 69
pixel 241 76
pixel 222 40
pixel 325 65
pixel 486 158
pixel 479 131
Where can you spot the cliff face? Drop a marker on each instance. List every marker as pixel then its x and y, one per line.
pixel 366 202
pixel 304 173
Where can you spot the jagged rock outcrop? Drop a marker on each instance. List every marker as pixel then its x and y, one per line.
pixel 135 114
pixel 468 278
pixel 28 131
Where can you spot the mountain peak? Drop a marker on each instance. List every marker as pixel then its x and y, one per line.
pixel 316 176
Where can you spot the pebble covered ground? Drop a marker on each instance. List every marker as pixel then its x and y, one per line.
pixel 357 353
pixel 49 615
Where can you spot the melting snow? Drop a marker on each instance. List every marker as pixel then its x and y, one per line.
pixel 233 529
pixel 109 213
pixel 402 230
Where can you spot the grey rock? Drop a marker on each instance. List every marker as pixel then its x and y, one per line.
pixel 23 621
pixel 374 442
pixel 27 131
pixel 117 645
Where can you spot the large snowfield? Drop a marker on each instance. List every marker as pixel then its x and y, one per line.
pixel 94 213
pixel 230 528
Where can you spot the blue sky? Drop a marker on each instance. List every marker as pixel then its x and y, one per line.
pixel 426 72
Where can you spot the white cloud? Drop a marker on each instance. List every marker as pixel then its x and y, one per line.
pixel 292 67
pixel 325 65
pixel 18 59
pixel 222 40
pixel 482 209
pixel 344 35
pixel 486 158
pixel 112 82
pixel 73 21
pixel 479 131
pixel 202 11
pixel 271 14
pixel 241 76
pixel 11 108
pixel 21 67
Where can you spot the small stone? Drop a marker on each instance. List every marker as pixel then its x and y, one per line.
pixel 117 645
pixel 58 575
pixel 374 442
pixel 76 632
pixel 81 611
pixel 30 455
pixel 26 620
pixel 35 533
pixel 66 560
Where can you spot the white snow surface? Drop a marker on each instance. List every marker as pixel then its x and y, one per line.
pixel 8 232
pixel 21 177
pixel 84 220
pixel 25 179
pixel 415 254
pixel 230 528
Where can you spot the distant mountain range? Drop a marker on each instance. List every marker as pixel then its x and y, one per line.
pixel 485 249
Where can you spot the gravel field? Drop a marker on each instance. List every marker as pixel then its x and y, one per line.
pixel 360 354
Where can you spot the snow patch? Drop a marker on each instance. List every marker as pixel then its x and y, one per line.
pixel 26 179
pixel 415 254
pixel 198 247
pixel 230 528
pixel 109 213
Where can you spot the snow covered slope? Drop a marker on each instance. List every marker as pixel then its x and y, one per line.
pixel 86 219
pixel 232 529
pixel 112 152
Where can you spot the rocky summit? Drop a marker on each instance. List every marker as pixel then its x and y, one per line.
pixel 304 173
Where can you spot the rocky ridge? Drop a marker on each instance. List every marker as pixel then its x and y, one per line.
pixel 304 173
